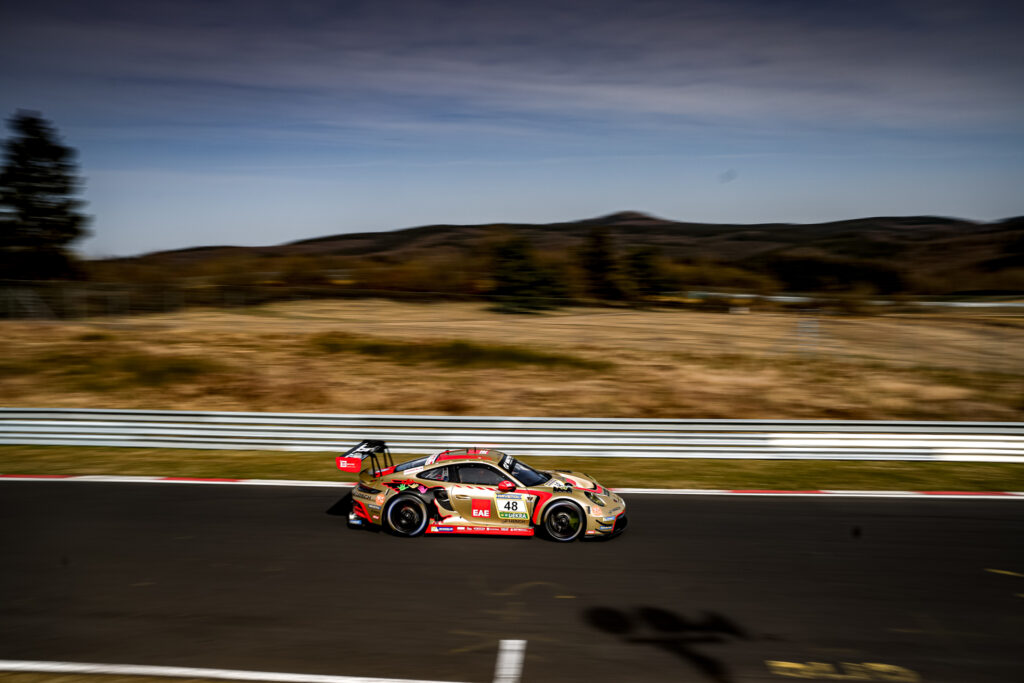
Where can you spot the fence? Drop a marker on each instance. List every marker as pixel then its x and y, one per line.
pixel 537 436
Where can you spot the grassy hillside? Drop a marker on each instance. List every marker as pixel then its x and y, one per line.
pixel 887 255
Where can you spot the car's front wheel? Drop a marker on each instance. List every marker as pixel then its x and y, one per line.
pixel 406 516
pixel 564 522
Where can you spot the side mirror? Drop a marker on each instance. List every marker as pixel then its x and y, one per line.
pixel 506 486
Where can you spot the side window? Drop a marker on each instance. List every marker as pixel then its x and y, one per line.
pixel 436 474
pixel 480 474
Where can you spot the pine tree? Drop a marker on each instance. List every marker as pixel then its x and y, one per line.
pixel 520 282
pixel 643 272
pixel 39 214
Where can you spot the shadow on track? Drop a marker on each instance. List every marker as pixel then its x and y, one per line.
pixel 672 633
pixel 342 507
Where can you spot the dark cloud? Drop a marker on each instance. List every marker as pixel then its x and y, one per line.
pixel 895 63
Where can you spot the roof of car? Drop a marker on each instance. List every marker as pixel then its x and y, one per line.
pixel 468 454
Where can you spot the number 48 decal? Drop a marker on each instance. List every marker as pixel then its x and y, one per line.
pixel 512 506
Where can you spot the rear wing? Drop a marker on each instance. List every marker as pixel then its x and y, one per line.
pixel 373 450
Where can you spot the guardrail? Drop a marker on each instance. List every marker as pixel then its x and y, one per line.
pixel 591 437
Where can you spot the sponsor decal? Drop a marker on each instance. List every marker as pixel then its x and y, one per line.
pixel 507 462
pixel 380 499
pixel 605 528
pixel 499 531
pixel 405 485
pixel 512 506
pixel 560 486
pixel 591 533
pixel 373 507
pixel 481 508
pixel 349 464
pixel 608 520
pixel 444 529
pixel 596 511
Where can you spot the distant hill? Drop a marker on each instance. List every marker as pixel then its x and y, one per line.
pixel 965 255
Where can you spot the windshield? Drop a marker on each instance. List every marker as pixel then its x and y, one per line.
pixel 526 474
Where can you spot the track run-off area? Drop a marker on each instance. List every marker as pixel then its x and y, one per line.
pixel 699 588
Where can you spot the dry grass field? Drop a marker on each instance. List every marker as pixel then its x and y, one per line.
pixel 375 356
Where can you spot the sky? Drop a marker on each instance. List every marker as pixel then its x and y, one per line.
pixel 254 122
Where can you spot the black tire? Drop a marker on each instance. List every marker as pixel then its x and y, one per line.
pixel 564 521
pixel 406 515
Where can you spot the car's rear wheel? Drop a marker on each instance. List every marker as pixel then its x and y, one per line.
pixel 564 522
pixel 406 516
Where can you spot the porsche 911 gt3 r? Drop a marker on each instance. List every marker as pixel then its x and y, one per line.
pixel 476 492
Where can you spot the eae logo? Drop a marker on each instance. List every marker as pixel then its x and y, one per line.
pixel 482 508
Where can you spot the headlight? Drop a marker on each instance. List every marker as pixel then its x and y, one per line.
pixel 593 498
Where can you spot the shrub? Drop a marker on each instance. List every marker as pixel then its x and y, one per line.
pixel 454 353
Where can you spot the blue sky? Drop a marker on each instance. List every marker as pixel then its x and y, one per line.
pixel 256 122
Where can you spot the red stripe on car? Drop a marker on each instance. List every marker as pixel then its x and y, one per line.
pixel 361 510
pixel 542 497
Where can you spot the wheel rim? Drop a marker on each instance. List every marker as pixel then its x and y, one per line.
pixel 565 522
pixel 406 517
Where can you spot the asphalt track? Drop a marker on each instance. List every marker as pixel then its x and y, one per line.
pixel 697 589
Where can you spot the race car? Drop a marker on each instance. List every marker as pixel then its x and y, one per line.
pixel 476 491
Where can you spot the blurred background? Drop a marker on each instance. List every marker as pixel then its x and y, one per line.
pixel 697 209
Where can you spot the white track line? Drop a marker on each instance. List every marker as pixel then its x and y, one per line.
pixel 189 672
pixel 510 661
pixel 829 493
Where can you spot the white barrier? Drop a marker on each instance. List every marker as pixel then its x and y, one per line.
pixel 591 437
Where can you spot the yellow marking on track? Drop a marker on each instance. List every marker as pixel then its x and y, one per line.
pixel 844 671
pixel 1005 572
pixel 843 652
